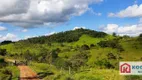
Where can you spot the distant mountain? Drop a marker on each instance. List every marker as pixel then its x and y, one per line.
pixel 67 36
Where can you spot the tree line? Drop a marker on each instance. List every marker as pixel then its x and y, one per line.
pixel 67 36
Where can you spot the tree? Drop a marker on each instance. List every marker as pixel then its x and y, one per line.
pixel 44 55
pixel 55 53
pixel 140 35
pixel 3 52
pixel 126 36
pixel 104 63
pixel 2 62
pixel 67 36
pixel 6 42
pixel 140 38
pixel 114 34
pixel 28 56
pixel 85 47
pixel 111 56
pixel 92 45
pixel 77 60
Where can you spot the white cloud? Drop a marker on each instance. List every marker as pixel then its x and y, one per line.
pixel 48 34
pixel 24 30
pixel 135 2
pixel 32 13
pixel 99 14
pixel 140 21
pixel 2 28
pixel 95 13
pixel 51 33
pixel 26 37
pixel 110 28
pixel 8 36
pixel 131 30
pixel 79 27
pixel 131 11
pixel 9 7
pixel 111 14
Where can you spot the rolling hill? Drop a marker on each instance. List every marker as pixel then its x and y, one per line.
pixel 80 54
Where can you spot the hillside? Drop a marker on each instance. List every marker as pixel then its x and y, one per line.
pixel 80 54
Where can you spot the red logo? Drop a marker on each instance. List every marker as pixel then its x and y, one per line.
pixel 125 68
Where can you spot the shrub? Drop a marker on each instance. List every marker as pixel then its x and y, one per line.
pixel 140 35
pixel 85 47
pixel 92 45
pixel 3 52
pixel 104 64
pixel 77 60
pixel 111 56
pixel 60 62
pixel 126 36
pixel 112 44
pixel 114 34
pixel 140 38
pixel 2 62
pixel 133 77
pixel 10 73
pixel 5 42
pixel 27 55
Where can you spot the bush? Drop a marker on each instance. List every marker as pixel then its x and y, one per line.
pixel 63 77
pixel 60 62
pixel 77 60
pixel 126 36
pixel 140 35
pixel 140 38
pixel 3 52
pixel 114 34
pixel 5 42
pixel 111 56
pixel 89 78
pixel 112 44
pixel 9 73
pixel 27 55
pixel 92 45
pixel 4 76
pixel 104 64
pixel 2 62
pixel 133 77
pixel 85 47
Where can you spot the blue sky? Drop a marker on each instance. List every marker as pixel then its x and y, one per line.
pixel 121 16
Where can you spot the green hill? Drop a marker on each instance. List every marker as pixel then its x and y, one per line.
pixel 80 54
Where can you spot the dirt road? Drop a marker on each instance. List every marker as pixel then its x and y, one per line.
pixel 27 74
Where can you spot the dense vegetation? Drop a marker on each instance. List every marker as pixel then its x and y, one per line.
pixel 5 42
pixel 67 36
pixel 80 54
pixel 7 71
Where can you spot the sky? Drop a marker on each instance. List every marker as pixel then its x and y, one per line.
pixel 22 19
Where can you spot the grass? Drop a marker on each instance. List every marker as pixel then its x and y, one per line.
pixel 100 53
pixel 85 39
pixel 132 52
pixel 99 74
pixel 12 69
